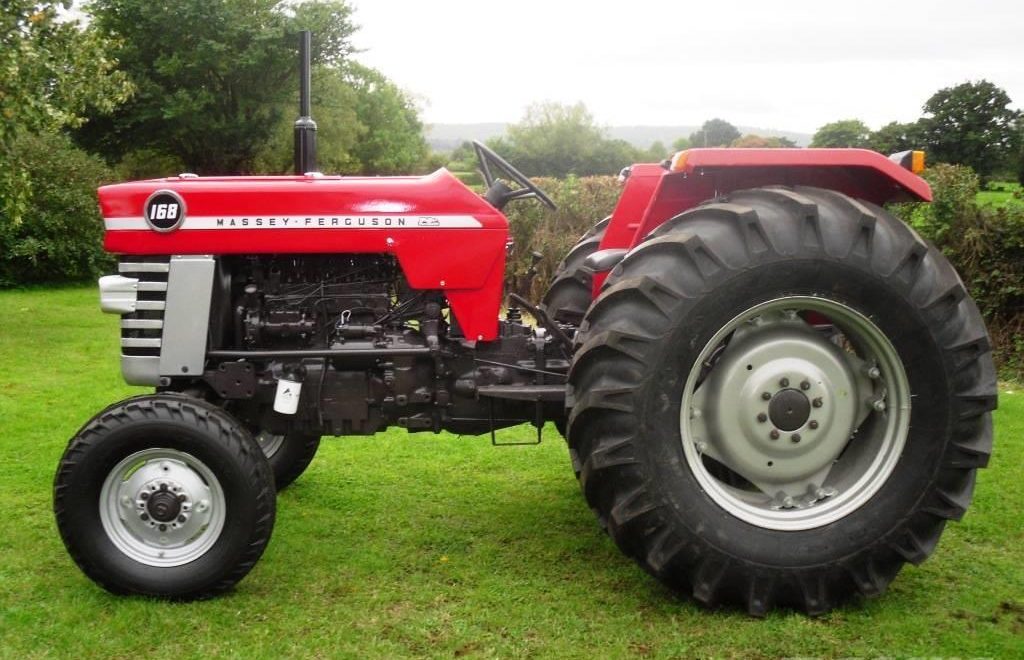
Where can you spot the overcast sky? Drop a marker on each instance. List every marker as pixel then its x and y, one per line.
pixel 790 65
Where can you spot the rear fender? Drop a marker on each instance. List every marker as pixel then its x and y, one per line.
pixel 653 193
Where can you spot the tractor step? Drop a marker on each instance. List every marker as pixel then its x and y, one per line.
pixel 552 392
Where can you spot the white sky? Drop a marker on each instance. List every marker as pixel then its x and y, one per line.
pixel 790 65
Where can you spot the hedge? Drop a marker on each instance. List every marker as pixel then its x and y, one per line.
pixel 51 229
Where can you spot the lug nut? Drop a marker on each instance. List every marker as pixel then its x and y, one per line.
pixel 144 516
pixel 766 395
pixel 144 495
pixel 182 519
pixel 878 404
pixel 813 424
pixel 784 382
pixel 163 527
pixel 873 373
pixel 774 435
pixel 804 385
pixel 761 417
pixel 795 438
pixel 817 402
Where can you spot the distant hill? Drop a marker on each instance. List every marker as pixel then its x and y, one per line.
pixel 445 137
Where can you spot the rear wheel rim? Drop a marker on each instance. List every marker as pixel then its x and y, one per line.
pixel 162 507
pixel 795 413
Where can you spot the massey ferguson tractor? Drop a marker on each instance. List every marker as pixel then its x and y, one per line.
pixel 775 393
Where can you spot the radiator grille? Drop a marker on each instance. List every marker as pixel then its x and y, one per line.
pixel 142 330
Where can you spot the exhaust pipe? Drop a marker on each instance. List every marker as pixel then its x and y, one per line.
pixel 305 127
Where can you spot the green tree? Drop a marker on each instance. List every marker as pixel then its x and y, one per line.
pixel 842 133
pixel 971 124
pixel 211 77
pixel 681 144
pixel 714 133
pixel 558 140
pixel 895 137
pixel 50 71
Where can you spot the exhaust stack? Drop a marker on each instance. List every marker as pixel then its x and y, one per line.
pixel 305 127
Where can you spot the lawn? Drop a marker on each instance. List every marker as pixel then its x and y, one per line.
pixel 413 545
pixel 1000 193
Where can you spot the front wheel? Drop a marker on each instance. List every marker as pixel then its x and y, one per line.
pixel 780 398
pixel 164 495
pixel 289 455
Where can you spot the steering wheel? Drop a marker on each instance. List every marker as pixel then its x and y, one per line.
pixel 500 194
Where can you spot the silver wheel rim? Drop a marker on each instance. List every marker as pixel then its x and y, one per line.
pixel 269 443
pixel 795 413
pixel 162 507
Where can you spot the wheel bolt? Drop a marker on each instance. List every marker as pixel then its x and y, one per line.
pixel 804 385
pixel 813 424
pixel 761 417
pixel 144 516
pixel 163 527
pixel 182 498
pixel 766 395
pixel 144 495
pixel 774 435
pixel 784 382
pixel 182 519
pixel 873 373
pixel 817 402
pixel 878 405
pixel 795 438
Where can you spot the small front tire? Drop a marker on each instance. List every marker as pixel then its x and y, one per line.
pixel 164 495
pixel 289 455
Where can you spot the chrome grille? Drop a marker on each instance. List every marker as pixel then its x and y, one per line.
pixel 142 330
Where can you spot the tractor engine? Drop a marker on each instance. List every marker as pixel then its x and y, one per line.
pixel 362 351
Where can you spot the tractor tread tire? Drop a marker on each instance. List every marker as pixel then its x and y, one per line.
pixel 621 364
pixel 570 293
pixel 291 460
pixel 167 410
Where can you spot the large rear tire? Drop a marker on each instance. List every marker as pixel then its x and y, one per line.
pixel 780 398
pixel 164 495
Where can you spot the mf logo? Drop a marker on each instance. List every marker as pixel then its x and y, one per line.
pixel 165 210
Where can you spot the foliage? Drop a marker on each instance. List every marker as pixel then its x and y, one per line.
pixel 365 125
pixel 561 140
pixel 50 70
pixel 842 133
pixel 582 202
pixel 986 245
pixel 752 141
pixel 210 76
pixel 714 133
pixel 971 124
pixel 681 144
pixel 895 137
pixel 61 233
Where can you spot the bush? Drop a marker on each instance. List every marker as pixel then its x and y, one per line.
pixel 986 245
pixel 582 203
pixel 51 229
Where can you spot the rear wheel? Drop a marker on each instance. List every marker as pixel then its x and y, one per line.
pixel 288 455
pixel 780 398
pixel 164 495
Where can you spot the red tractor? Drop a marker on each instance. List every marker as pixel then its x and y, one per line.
pixel 774 392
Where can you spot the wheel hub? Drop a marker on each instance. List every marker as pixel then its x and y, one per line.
pixel 779 406
pixel 789 409
pixel 164 506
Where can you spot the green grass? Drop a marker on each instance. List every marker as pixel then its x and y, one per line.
pixel 1004 196
pixel 413 545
